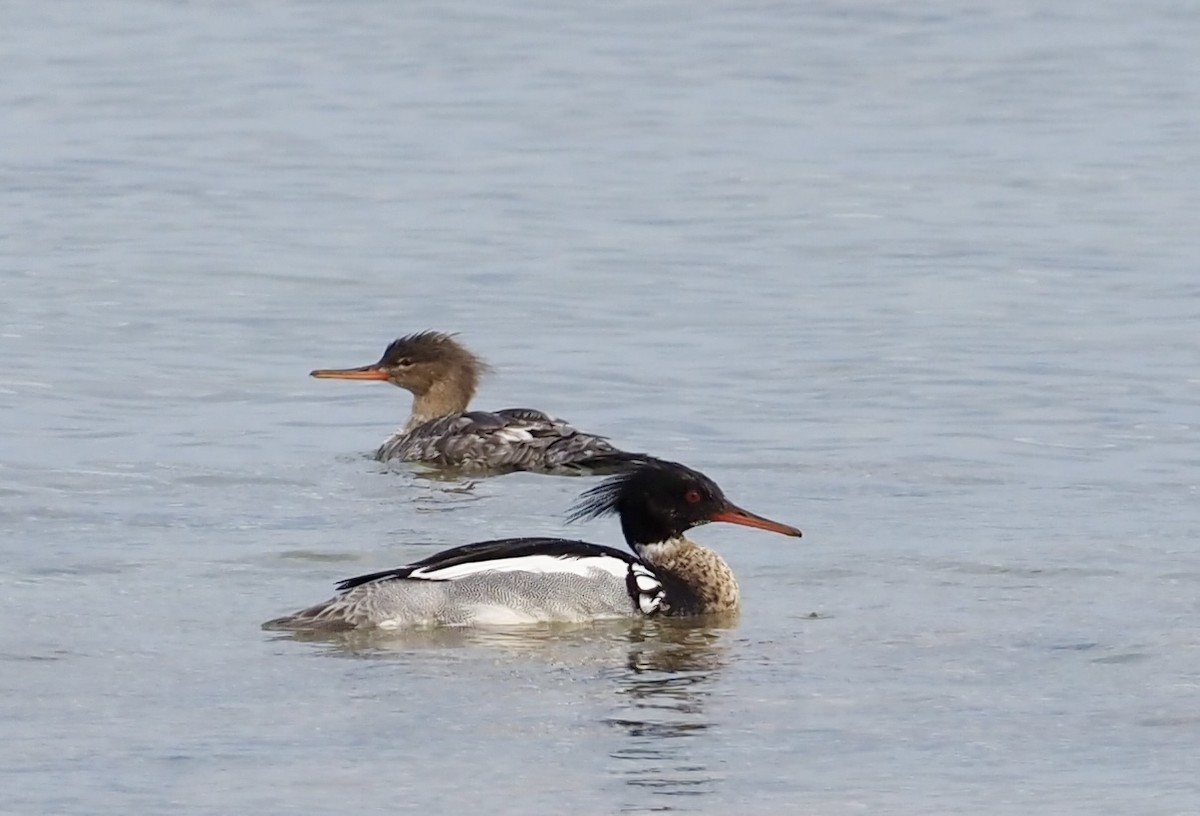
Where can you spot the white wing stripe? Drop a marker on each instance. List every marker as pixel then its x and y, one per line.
pixel 542 564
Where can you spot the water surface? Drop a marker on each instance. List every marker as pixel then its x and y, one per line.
pixel 919 280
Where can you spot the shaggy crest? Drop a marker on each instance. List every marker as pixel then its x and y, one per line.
pixel 430 347
pixel 656 500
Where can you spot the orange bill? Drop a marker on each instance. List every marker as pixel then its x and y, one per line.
pixel 732 514
pixel 367 372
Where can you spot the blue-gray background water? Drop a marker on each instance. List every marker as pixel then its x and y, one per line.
pixel 918 278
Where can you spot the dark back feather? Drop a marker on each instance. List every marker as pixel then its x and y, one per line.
pixel 496 550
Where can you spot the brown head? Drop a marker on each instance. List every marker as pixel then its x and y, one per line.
pixel 441 373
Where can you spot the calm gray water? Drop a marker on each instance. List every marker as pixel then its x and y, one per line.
pixel 918 278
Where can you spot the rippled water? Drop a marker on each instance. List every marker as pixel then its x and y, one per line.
pixel 918 279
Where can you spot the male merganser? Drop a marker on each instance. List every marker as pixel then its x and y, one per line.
pixel 442 376
pixel 530 580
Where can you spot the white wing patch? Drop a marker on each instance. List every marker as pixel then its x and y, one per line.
pixel 539 564
pixel 517 436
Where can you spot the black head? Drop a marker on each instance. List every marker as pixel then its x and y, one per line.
pixel 416 363
pixel 658 500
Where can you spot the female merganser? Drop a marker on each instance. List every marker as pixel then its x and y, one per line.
pixel 442 376
pixel 530 580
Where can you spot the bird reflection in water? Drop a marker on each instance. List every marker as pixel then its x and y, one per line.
pixel 663 672
pixel 441 491
pixel 661 712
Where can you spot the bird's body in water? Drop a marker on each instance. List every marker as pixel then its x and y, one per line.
pixel 532 580
pixel 442 376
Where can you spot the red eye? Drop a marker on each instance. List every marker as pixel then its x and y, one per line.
pixel 692 496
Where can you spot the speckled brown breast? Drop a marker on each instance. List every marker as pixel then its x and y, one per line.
pixel 697 580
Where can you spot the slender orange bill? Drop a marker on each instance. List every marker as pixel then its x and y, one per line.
pixel 732 514
pixel 368 372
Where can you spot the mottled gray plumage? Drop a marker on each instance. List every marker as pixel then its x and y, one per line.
pixel 506 440
pixel 442 376
pixel 491 598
